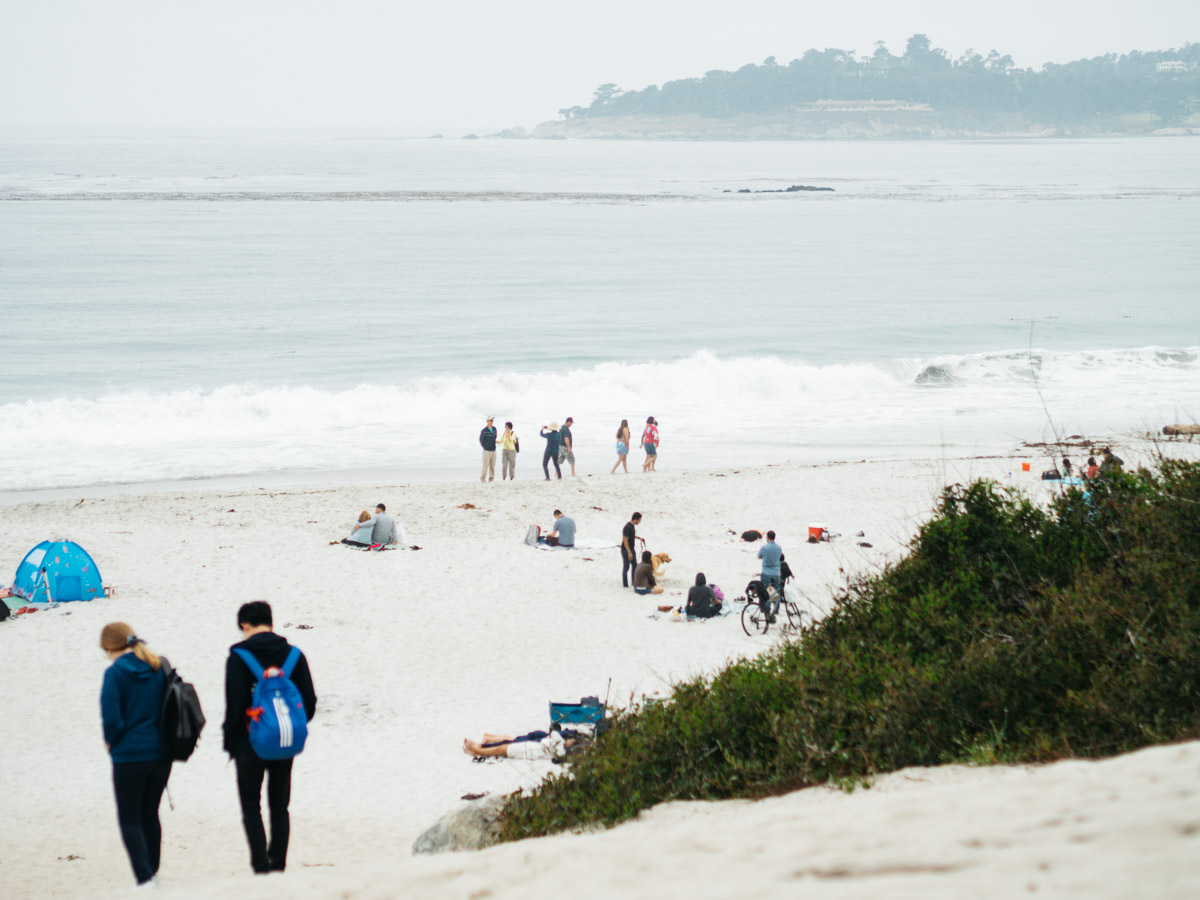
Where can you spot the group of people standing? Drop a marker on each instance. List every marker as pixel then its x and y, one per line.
pixel 131 710
pixel 649 444
pixel 560 448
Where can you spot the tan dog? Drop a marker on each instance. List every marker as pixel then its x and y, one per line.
pixel 657 560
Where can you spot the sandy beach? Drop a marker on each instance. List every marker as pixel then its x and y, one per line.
pixel 413 650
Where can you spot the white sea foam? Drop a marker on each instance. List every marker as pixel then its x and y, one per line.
pixel 712 410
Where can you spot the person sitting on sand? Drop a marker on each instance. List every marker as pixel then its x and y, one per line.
pixel 564 530
pixel 1109 462
pixel 643 576
pixel 1092 470
pixel 534 745
pixel 360 534
pixel 1066 468
pixel 383 529
pixel 701 602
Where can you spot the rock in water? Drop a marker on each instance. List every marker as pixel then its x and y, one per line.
pixel 936 375
pixel 472 826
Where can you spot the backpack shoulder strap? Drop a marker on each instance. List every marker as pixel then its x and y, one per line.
pixel 289 664
pixel 166 668
pixel 252 664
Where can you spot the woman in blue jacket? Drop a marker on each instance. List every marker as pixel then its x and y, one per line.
pixel 131 709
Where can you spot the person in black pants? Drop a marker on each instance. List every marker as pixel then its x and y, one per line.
pixel 270 649
pixel 553 443
pixel 629 559
pixel 131 711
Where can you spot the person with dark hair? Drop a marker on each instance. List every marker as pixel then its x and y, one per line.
pixel 701 602
pixel 650 444
pixel 622 447
pixel 510 444
pixel 1110 462
pixel 378 529
pixel 564 530
pixel 628 554
pixel 1092 470
pixel 271 651
pixel 567 452
pixel 643 576
pixel 131 702
pixel 771 555
pixel 553 443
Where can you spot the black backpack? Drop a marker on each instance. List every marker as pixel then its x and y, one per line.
pixel 182 719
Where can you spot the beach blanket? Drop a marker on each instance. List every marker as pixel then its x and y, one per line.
pixel 584 544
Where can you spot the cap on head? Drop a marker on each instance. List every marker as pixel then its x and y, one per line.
pixel 554 426
pixel 570 421
pixel 491 418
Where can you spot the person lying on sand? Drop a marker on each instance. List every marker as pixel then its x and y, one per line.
pixel 534 745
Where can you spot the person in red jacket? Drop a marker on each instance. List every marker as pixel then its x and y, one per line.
pixel 650 444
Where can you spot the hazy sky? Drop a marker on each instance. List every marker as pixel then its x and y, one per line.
pixel 470 65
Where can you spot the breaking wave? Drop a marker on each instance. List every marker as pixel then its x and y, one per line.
pixel 712 410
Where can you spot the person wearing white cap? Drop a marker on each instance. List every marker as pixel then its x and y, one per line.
pixel 487 440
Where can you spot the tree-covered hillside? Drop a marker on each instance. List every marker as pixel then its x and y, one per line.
pixel 1106 86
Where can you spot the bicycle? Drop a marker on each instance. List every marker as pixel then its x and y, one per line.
pixel 757 616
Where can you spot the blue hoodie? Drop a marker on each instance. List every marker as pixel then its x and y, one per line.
pixel 131 709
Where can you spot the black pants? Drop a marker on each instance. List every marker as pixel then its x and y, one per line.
pixel 250 772
pixel 547 458
pixel 139 788
pixel 628 564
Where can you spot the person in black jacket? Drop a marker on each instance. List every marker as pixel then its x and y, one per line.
pixel 131 703
pixel 700 600
pixel 487 440
pixel 270 649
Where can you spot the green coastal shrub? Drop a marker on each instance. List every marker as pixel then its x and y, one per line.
pixel 1009 632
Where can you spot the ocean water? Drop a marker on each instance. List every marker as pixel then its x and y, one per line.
pixel 184 306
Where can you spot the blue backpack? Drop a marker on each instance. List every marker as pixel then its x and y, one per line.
pixel 278 722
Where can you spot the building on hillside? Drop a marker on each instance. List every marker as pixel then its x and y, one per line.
pixel 1174 66
pixel 863 106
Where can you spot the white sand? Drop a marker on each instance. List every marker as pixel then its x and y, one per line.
pixel 412 651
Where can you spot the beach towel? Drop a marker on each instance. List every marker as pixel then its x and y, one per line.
pixel 584 544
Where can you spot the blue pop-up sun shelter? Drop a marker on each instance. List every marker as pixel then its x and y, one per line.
pixel 57 571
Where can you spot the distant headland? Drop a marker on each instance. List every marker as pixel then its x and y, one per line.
pixel 924 93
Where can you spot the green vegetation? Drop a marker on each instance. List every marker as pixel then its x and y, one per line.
pixel 1010 632
pixel 1074 93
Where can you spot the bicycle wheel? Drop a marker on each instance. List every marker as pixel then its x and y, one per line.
pixel 755 620
pixel 794 615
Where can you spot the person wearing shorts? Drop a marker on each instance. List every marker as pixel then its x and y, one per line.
pixel 650 444
pixel 566 452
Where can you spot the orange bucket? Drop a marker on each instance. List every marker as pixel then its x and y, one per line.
pixel 1024 467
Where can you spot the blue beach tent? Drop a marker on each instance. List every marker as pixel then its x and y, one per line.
pixel 58 571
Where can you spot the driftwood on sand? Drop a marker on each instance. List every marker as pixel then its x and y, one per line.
pixel 1181 429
